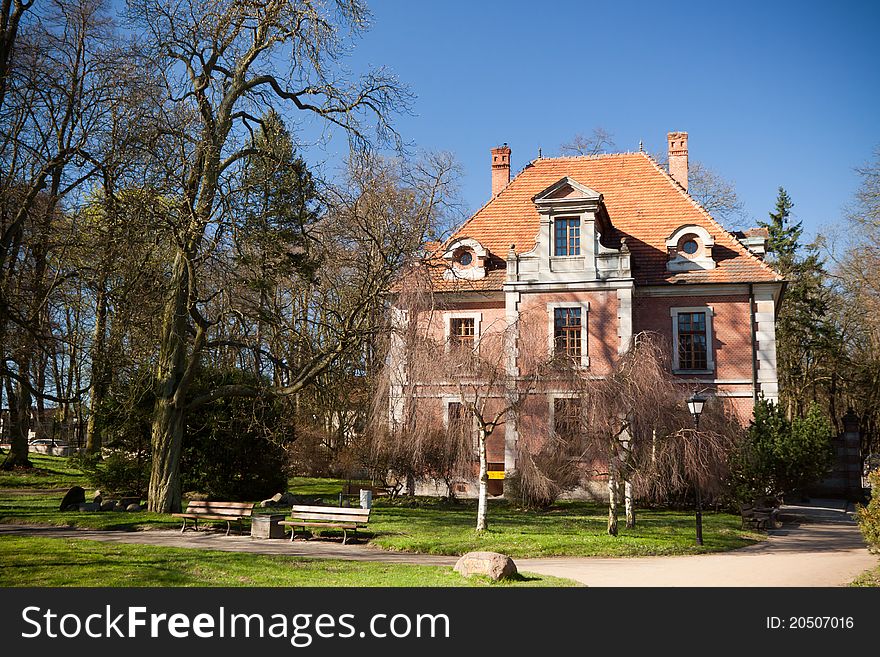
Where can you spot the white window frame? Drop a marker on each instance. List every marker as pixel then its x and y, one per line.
pixel 447 326
pixel 579 218
pixel 585 330
pixel 710 343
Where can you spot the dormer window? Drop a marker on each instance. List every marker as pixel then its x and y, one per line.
pixel 466 259
pixel 690 248
pixel 568 236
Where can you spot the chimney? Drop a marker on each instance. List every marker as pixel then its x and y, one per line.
pixel 678 157
pixel 500 168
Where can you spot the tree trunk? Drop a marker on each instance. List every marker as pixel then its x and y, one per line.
pixel 612 502
pixel 99 370
pixel 630 504
pixel 171 384
pixel 19 419
pixel 167 439
pixel 483 499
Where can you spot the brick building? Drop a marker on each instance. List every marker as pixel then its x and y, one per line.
pixel 598 249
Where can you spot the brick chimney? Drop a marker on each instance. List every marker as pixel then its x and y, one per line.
pixel 678 157
pixel 500 168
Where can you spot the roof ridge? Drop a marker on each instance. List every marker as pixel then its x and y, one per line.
pixel 595 156
pixel 677 185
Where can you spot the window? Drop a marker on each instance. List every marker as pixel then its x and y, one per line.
pixel 461 331
pixel 693 352
pixel 690 247
pixel 566 417
pixel 465 258
pixel 459 424
pixel 568 237
pixel 567 332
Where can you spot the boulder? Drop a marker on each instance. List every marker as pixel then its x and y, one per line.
pixel 287 499
pixel 133 507
pixel 73 498
pixel 491 564
pixel 125 502
pixel 109 505
pixel 98 497
pixel 90 506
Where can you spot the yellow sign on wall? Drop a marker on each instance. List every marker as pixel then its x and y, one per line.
pixel 496 474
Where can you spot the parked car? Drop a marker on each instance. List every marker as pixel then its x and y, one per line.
pixel 44 441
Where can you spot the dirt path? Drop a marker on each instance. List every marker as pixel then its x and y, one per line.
pixel 824 549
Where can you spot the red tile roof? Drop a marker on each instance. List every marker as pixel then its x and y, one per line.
pixel 644 203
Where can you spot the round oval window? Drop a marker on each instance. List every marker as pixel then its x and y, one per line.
pixel 690 247
pixel 465 259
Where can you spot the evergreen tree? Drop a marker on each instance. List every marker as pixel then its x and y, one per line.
pixel 807 342
pixel 784 235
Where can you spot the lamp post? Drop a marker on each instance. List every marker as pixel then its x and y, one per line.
pixel 695 405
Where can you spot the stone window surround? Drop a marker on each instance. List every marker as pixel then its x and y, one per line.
pixel 710 351
pixel 585 324
pixel 682 261
pixel 447 326
pixel 551 398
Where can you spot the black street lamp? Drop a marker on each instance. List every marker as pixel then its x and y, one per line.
pixel 695 405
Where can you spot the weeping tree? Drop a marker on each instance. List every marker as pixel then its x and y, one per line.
pixel 450 386
pixel 635 431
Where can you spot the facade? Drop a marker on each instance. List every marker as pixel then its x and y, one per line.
pixel 595 250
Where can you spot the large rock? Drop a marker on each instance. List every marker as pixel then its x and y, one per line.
pixel 108 505
pixel 125 502
pixel 491 564
pixel 90 506
pixel 133 507
pixel 72 499
pixel 98 497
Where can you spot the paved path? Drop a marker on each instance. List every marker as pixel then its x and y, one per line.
pixel 823 548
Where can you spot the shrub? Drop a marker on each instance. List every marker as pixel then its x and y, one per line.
pixel 869 516
pixel 778 456
pixel 234 448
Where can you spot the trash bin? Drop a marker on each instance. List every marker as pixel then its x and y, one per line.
pixel 265 525
pixel 366 499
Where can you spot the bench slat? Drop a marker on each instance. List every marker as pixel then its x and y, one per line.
pixel 331 510
pixel 294 523
pixel 339 517
pixel 236 509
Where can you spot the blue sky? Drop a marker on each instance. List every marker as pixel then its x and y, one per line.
pixel 772 93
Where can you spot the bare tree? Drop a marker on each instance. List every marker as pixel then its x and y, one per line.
pixel 472 373
pixel 635 432
pixel 599 141
pixel 220 60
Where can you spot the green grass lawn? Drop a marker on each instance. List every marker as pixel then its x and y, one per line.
pixel 63 562
pixel 424 525
pixel 569 528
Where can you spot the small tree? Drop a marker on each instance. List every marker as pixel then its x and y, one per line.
pixel 779 456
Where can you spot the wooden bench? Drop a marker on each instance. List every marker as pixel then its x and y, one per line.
pixel 227 511
pixel 327 516
pixel 758 517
